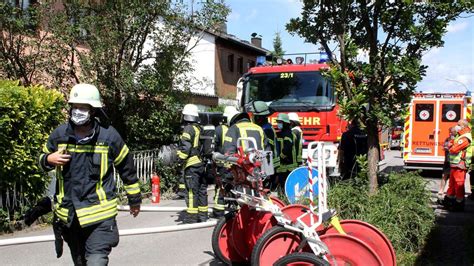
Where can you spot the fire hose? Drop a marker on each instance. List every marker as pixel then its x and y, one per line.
pixel 124 232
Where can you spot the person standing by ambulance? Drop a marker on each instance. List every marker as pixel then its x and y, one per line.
pixel 194 169
pixel 448 142
pixel 460 154
pixel 84 152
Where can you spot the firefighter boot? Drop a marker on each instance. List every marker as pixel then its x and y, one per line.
pixel 190 218
pixel 203 215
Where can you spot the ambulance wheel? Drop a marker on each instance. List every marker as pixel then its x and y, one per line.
pixel 222 240
pixel 274 244
pixel 303 258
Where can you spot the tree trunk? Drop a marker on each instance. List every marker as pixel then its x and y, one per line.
pixel 373 156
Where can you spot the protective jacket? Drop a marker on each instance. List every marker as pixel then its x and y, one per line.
pixel 271 136
pixel 243 128
pixel 221 130
pixel 460 153
pixel 189 148
pixel 85 186
pixel 298 144
pixel 286 140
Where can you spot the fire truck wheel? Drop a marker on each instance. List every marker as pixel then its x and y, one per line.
pixel 303 258
pixel 221 240
pixel 274 244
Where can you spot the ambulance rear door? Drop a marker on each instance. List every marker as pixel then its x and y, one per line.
pixel 424 129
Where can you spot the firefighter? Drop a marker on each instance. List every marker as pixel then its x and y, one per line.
pixel 194 169
pixel 241 126
pixel 286 143
pixel 223 174
pixel 296 129
pixel 353 143
pixel 260 117
pixel 460 154
pixel 84 152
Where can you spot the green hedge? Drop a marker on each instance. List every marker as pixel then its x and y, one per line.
pixel 401 209
pixel 27 117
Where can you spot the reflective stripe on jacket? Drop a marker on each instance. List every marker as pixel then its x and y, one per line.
pixel 461 159
pixel 86 185
pixel 271 136
pixel 245 129
pixel 188 148
pixel 298 144
pixel 221 130
pixel 286 140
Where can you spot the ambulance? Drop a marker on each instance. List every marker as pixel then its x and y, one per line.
pixel 427 126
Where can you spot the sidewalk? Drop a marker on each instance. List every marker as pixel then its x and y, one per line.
pixel 452 240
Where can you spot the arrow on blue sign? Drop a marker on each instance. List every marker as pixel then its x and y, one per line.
pixel 297 185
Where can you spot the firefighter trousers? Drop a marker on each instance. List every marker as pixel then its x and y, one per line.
pixel 196 198
pixel 456 183
pixel 91 245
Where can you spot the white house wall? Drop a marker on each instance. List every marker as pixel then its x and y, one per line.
pixel 203 59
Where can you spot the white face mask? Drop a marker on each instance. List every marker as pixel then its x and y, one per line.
pixel 280 125
pixel 80 116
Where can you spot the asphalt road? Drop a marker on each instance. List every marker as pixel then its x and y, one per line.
pixel 190 247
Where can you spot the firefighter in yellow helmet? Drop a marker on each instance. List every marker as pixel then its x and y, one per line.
pixel 84 152
pixel 194 169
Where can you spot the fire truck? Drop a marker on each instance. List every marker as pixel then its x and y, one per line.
pixel 427 126
pixel 299 88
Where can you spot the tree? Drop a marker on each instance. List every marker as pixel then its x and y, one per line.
pixel 135 52
pixel 395 34
pixel 277 46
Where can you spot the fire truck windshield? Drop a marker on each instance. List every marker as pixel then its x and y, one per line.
pixel 292 91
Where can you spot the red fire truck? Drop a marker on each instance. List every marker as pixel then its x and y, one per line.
pixel 299 88
pixel 427 126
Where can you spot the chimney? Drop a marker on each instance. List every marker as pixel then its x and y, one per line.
pixel 256 40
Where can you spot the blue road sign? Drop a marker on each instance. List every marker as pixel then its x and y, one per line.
pixel 297 185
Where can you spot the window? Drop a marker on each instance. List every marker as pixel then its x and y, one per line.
pixel 240 65
pixel 451 112
pixel 230 62
pixel 424 112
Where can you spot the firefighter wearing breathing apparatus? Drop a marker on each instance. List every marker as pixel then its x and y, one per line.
pixel 194 169
pixel 84 152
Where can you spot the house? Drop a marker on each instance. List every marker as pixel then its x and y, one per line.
pixel 220 59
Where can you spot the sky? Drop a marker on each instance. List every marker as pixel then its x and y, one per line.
pixel 450 68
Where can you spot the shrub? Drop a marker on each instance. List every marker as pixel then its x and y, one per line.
pixel 27 117
pixel 401 208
